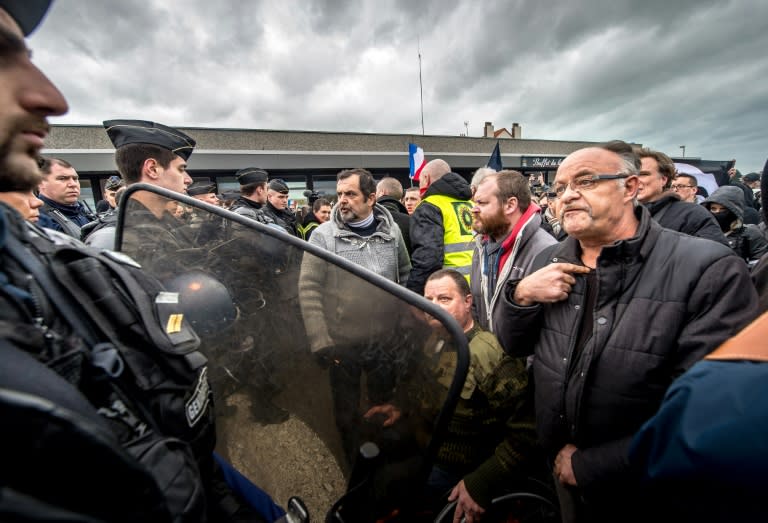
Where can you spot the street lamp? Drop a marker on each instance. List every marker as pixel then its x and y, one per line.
pixel 683 148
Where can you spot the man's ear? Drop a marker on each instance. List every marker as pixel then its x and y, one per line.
pixel 511 205
pixel 631 185
pixel 149 169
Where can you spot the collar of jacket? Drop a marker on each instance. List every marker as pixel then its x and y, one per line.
pixel 665 199
pixel 250 203
pixel 380 214
pixel 68 210
pixel 636 248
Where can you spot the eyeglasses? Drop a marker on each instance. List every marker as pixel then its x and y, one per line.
pixel 676 187
pixel 586 183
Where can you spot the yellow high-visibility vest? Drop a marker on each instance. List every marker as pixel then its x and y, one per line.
pixel 457 235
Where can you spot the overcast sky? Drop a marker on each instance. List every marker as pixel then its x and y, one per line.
pixel 660 72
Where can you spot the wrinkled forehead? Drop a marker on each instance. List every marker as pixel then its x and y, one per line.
pixel 588 161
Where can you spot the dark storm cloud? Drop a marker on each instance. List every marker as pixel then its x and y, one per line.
pixel 657 72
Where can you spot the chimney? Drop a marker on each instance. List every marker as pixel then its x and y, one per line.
pixel 516 131
pixel 488 130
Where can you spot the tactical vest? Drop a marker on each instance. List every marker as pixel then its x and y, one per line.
pixel 112 332
pixel 68 226
pixel 457 235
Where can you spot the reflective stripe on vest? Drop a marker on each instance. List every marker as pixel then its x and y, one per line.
pixel 457 236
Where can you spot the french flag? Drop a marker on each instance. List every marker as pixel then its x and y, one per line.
pixel 416 160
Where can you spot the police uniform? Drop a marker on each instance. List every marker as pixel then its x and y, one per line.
pixel 285 218
pixel 245 206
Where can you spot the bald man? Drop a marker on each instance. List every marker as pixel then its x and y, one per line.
pixel 441 226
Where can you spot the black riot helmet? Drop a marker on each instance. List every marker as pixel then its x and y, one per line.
pixel 205 301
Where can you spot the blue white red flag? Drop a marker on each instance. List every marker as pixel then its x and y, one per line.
pixel 416 160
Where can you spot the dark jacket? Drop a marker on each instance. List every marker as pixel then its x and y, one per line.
pixel 282 217
pixel 400 215
pixel 427 230
pixel 665 300
pixel 65 218
pixel 689 218
pixel 720 477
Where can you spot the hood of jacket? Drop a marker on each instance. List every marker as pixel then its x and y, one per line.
pixel 451 184
pixel 730 197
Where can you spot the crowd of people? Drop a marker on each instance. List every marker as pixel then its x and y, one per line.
pixel 613 319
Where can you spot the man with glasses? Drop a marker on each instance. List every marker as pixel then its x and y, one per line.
pixel 613 314
pixel 685 186
pixel 655 176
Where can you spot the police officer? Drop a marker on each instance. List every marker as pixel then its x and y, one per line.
pixel 253 194
pixel 84 397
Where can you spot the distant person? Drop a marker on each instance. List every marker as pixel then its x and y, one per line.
pixel 253 194
pixel 656 175
pixel 411 199
pixel 205 192
pixel 441 226
pixel 277 207
pixel 60 191
pixel 478 177
pixel 686 187
pixel 727 206
pixel 320 213
pixel 111 186
pixel 389 194
pixel 752 180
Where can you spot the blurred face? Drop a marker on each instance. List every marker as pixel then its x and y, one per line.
pixel 411 200
pixel 109 195
pixel 25 203
pixel 278 200
pixel 597 214
pixel 651 181
pixel 208 197
pixel 684 189
pixel 353 206
pixel 175 177
pixel 27 99
pixel 444 293
pixel 488 213
pixel 323 214
pixel 62 185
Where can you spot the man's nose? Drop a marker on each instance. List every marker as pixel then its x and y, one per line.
pixel 40 96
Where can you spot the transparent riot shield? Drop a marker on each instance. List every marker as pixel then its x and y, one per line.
pixel 330 382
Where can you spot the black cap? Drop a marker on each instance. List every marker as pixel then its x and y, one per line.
pixel 751 177
pixel 251 175
pixel 28 14
pixel 196 189
pixel 278 186
pixel 124 132
pixel 113 183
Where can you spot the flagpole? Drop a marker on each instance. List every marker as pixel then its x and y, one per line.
pixel 421 90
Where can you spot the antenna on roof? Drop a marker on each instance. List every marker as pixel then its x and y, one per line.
pixel 421 90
